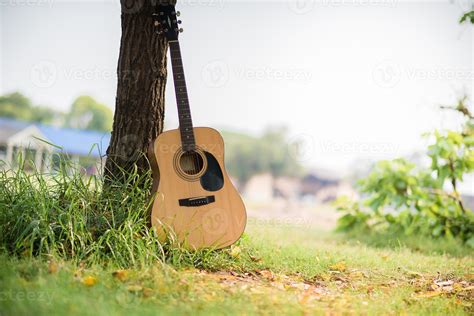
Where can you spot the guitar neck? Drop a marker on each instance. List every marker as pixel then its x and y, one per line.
pixel 184 112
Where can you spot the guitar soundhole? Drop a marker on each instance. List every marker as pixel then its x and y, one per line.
pixel 191 163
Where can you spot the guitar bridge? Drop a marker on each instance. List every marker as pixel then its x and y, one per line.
pixel 197 201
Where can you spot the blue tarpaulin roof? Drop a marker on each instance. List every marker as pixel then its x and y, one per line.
pixel 71 141
pixel 77 142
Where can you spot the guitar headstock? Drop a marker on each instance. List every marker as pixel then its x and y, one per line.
pixel 166 21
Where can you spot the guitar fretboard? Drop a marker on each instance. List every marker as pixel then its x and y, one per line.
pixel 184 113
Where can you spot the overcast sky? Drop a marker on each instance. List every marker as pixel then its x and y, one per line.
pixel 354 80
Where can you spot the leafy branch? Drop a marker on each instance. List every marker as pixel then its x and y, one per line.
pixel 468 16
pixel 401 195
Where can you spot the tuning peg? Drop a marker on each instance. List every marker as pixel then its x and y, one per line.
pixel 179 21
pixel 181 30
pixel 178 13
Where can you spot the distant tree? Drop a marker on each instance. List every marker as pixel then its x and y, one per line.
pixel 277 149
pixel 247 155
pixel 87 113
pixel 45 115
pixel 242 158
pixel 17 106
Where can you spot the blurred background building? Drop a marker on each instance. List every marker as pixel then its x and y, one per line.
pixel 41 146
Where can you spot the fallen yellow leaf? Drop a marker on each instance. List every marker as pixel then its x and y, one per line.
pixel 267 274
pixel 255 259
pixel 134 288
pixel 226 277
pixel 469 276
pixel 428 294
pixel 457 286
pixel 356 275
pixel 339 266
pixel 120 274
pixel 235 251
pixel 89 280
pixel 52 266
pixel 414 274
pixel 147 292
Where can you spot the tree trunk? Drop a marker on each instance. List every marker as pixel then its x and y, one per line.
pixel 139 105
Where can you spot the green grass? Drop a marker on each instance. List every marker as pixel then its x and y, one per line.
pixel 63 237
pixel 415 242
pixel 372 281
pixel 73 218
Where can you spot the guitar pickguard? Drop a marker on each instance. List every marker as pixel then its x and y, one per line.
pixel 212 179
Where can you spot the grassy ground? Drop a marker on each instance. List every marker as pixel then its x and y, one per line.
pixel 69 247
pixel 291 270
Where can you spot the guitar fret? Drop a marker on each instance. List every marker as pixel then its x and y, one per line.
pixel 184 113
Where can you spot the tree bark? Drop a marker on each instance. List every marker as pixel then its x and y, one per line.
pixel 139 105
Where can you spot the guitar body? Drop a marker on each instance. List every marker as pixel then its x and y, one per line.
pixel 195 200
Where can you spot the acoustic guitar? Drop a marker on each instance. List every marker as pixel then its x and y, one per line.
pixel 194 199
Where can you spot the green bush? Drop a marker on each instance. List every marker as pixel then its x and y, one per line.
pixel 401 196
